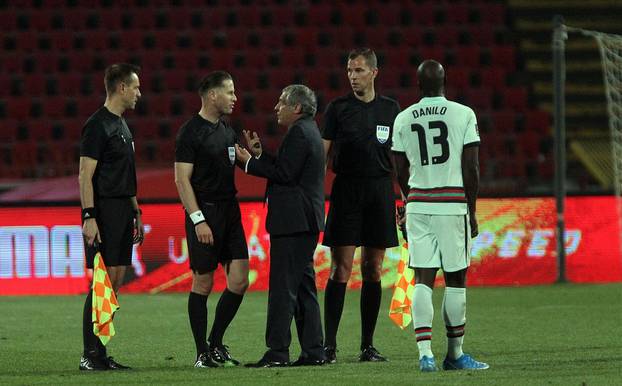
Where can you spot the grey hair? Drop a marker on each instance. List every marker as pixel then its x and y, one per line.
pixel 303 95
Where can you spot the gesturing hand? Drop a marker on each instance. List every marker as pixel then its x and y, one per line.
pixel 253 142
pixel 241 154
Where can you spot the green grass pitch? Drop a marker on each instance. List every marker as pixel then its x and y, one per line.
pixel 560 334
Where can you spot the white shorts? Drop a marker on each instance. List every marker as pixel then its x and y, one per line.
pixel 437 241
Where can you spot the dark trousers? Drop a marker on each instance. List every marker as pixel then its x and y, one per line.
pixel 293 294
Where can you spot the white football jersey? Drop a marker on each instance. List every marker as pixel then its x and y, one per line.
pixel 433 133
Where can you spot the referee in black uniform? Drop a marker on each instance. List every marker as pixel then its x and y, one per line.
pixel 111 219
pixel 204 175
pixel 357 128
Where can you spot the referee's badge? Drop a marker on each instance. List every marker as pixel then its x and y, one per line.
pixel 231 154
pixel 382 133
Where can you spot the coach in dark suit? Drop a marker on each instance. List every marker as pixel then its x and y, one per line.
pixel 295 195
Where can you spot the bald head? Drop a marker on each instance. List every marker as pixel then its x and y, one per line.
pixel 431 78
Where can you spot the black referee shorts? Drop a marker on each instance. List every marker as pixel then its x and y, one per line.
pixel 115 220
pixel 225 221
pixel 362 213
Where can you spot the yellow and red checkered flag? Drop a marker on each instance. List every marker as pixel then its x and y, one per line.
pixel 401 301
pixel 104 301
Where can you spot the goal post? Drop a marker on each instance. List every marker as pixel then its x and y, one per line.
pixel 610 47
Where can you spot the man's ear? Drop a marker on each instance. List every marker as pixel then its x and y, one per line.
pixel 298 108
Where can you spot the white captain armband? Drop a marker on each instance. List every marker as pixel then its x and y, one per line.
pixel 197 217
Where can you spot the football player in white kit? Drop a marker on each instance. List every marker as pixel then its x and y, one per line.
pixel 435 147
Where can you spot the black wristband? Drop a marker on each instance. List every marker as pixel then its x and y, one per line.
pixel 88 213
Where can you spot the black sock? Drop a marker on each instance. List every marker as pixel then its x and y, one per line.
pixel 334 296
pixel 197 312
pixel 88 336
pixel 225 311
pixel 371 296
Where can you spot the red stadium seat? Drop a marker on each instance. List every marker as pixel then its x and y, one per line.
pixel 26 41
pixel 456 14
pixel 293 57
pixel 144 128
pixel 388 14
pixel 159 104
pixel 503 121
pixel 447 36
pixel 69 84
pixel 319 15
pixel 515 98
pixel 352 19
pixel 458 77
pixel 538 120
pixel 493 14
pixel 479 98
pixel 62 40
pixel 8 131
pixel 34 84
pixel 18 107
pixel 54 107
pixel 529 143
pixel 174 81
pixel 482 36
pixel 503 57
pixel 494 78
pixel 109 19
pixel 180 18
pixel 423 14
pixel 468 56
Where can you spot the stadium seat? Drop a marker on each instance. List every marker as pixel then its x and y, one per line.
pixel 319 15
pixel 538 120
pixel 494 78
pixel 479 98
pixel 456 14
pixel 503 57
pixel 515 98
pixel 458 77
pixel 529 143
pixel 18 107
pixel 468 56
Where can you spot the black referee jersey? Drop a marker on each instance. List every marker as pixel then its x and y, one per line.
pixel 361 134
pixel 106 138
pixel 210 147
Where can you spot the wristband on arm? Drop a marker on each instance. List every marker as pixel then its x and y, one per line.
pixel 89 213
pixel 197 217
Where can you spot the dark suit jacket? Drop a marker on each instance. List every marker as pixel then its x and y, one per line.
pixel 295 181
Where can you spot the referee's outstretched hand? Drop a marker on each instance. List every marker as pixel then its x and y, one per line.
pixel 253 142
pixel 204 233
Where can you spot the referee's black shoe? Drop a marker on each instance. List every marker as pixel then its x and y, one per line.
pixel 305 361
pixel 221 355
pixel 88 363
pixel 204 360
pixel 331 354
pixel 263 362
pixel 370 354
pixel 114 365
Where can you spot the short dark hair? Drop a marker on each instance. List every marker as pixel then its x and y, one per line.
pixel 367 53
pixel 213 80
pixel 117 73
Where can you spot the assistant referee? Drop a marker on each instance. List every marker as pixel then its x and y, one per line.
pixel 111 219
pixel 358 128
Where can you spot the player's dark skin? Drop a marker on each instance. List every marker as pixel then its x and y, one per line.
pixel 431 81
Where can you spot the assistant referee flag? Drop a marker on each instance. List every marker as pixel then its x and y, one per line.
pixel 401 302
pixel 104 301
